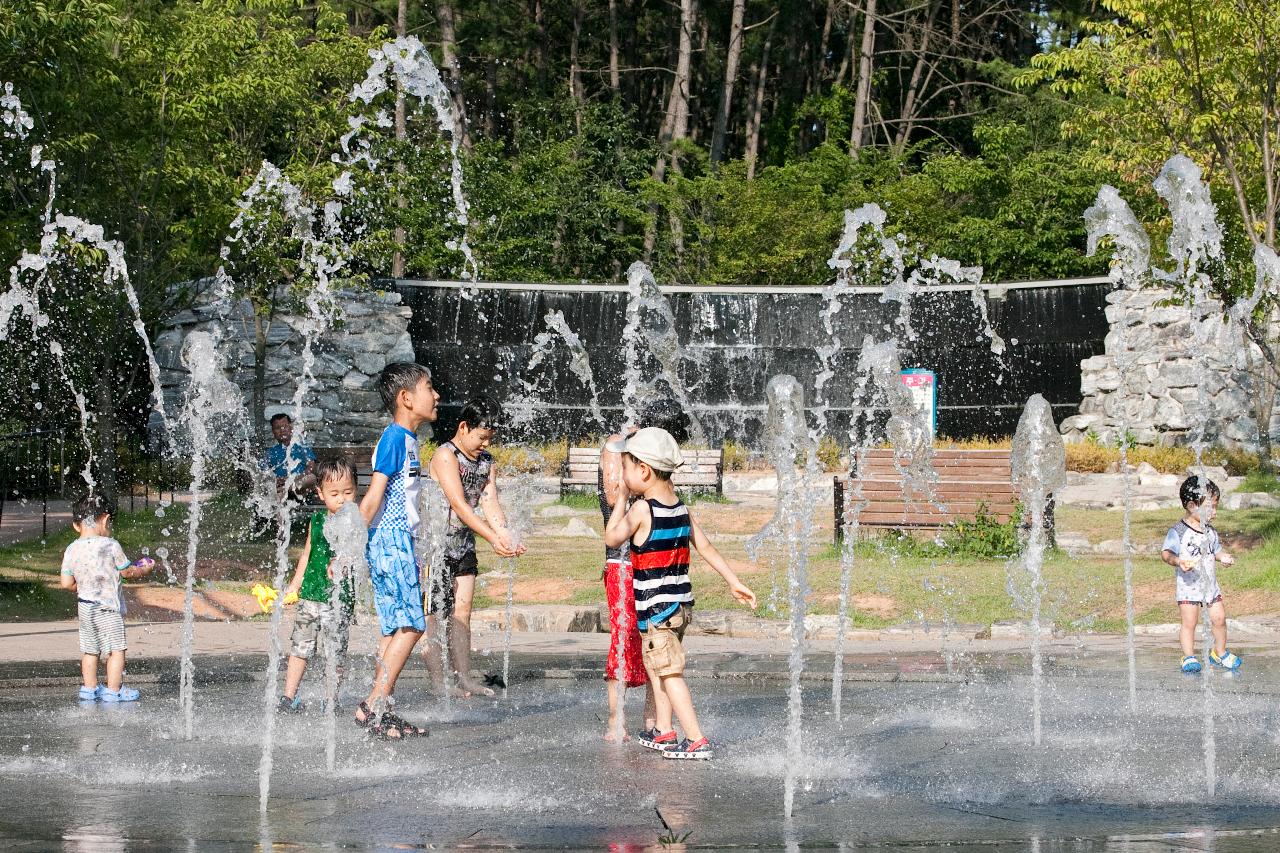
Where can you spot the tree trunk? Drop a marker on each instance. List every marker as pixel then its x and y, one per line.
pixel 908 115
pixel 615 76
pixel 452 71
pixel 575 73
pixel 847 57
pixel 675 123
pixel 820 72
pixel 678 105
pixel 397 259
pixel 540 54
pixel 862 96
pixel 755 117
pixel 730 79
pixel 490 125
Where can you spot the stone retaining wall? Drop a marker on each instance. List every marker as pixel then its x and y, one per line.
pixel 343 407
pixel 1146 381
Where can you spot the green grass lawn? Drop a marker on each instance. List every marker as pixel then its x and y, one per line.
pixel 889 587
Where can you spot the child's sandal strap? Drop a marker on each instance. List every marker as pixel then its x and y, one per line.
pixel 407 729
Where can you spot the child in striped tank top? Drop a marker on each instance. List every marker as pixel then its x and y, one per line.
pixel 660 530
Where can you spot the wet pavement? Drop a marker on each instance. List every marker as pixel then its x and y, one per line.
pixel 927 755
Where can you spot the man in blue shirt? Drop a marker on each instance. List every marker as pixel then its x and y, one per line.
pixel 303 459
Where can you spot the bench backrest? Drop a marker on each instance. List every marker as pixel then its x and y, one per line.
pixel 702 469
pixel 967 480
pixel 985 466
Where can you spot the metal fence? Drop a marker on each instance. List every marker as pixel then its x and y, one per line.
pixel 40 465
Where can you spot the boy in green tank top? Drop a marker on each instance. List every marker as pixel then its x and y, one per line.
pixel 321 621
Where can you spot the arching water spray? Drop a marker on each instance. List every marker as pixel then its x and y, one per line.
pixel 321 254
pixel 522 405
pixel 404 64
pixel 33 273
pixel 1195 242
pixel 1111 218
pixel 651 329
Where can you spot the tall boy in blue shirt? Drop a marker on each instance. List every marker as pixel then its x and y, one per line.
pixel 390 508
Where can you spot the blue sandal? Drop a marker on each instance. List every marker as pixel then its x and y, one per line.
pixel 1190 664
pixel 1229 660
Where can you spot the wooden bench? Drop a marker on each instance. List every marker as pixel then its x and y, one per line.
pixel 702 471
pixel 967 480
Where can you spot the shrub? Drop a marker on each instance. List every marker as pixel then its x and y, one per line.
pixel 531 459
pixel 1090 458
pixel 973 442
pixel 983 536
pixel 1166 460
pixel 829 454
pixel 1239 463
pixel 736 456
pixel 1258 481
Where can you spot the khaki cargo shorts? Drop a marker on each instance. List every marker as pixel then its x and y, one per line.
pixel 662 647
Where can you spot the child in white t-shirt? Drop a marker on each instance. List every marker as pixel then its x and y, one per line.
pixel 1193 548
pixel 93 566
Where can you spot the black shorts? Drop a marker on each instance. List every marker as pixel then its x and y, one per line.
pixel 440 592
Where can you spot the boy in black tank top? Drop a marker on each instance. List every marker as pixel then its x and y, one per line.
pixel 469 479
pixel 660 531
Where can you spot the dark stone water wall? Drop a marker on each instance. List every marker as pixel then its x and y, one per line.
pixel 737 340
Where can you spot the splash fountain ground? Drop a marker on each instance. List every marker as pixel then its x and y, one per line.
pixel 1037 741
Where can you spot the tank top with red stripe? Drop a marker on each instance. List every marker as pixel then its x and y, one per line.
pixel 660 566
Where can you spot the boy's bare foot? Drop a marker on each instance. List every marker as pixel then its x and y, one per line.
pixel 615 732
pixel 474 688
pixel 456 691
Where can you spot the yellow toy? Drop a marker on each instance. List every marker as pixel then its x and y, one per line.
pixel 267 595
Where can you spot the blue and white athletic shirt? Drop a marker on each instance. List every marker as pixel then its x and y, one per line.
pixel 396 456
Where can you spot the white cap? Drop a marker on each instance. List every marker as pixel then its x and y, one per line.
pixel 653 446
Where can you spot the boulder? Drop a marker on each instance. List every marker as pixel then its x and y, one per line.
pixel 577 528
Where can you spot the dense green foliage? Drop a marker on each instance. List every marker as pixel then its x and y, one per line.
pixel 595 133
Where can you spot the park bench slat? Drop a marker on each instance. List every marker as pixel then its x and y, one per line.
pixel 966 480
pixel 954 509
pixel 703 469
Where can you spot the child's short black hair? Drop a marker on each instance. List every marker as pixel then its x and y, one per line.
pixel 1195 489
pixel 400 376
pixel 90 508
pixel 278 415
pixel 333 469
pixel 481 412
pixel 661 475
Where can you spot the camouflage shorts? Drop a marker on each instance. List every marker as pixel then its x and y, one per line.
pixel 316 625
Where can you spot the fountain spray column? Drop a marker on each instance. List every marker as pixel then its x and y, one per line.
pixel 1195 241
pixel 1111 218
pixel 209 395
pixel 521 497
pixel 787 439
pixel 1039 463
pixel 349 535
